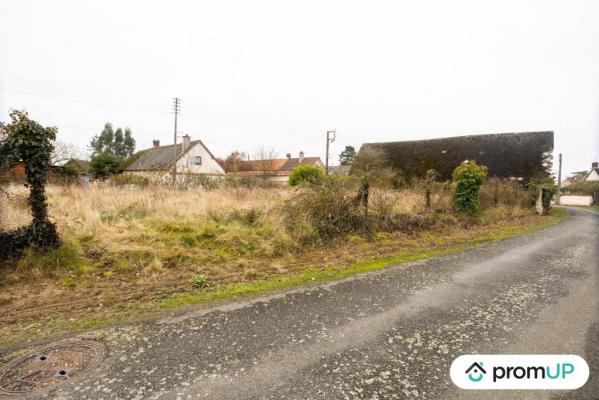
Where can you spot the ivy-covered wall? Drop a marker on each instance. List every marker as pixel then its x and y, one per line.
pixel 504 154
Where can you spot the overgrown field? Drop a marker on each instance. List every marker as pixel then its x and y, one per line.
pixel 128 251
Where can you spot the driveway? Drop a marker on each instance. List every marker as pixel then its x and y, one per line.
pixel 391 334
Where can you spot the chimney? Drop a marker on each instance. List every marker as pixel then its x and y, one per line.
pixel 156 143
pixel 301 157
pixel 595 164
pixel 186 140
pixel 288 155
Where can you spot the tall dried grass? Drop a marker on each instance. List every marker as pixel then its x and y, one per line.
pixel 79 210
pixel 230 230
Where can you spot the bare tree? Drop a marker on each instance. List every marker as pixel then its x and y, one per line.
pixel 266 160
pixel 235 161
pixel 371 162
pixel 63 152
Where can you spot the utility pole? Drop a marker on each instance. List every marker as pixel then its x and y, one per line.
pixel 559 181
pixel 330 139
pixel 176 109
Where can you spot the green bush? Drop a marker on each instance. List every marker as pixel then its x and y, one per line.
pixel 305 174
pixel 468 178
pixel 104 165
pixel 123 179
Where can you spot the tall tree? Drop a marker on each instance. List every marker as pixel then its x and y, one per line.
pixel 346 157
pixel 128 143
pixel 117 144
pixel 114 143
pixel 102 143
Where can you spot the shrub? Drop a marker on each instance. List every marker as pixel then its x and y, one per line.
pixel 122 179
pixel 104 165
pixel 305 174
pixel 496 192
pixel 189 181
pixel 468 178
pixel 199 281
pixel 330 209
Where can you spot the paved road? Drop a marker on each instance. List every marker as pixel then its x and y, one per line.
pixel 385 335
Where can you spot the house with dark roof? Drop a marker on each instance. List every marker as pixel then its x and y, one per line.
pixel 276 169
pixel 79 166
pixel 190 157
pixel 522 155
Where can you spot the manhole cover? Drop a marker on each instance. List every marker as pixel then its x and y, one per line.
pixel 50 366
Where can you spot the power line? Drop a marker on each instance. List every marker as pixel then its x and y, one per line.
pixel 235 125
pixel 80 101
pixel 106 104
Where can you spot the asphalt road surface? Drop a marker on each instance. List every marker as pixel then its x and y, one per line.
pixel 386 335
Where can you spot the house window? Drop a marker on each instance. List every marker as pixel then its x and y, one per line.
pixel 194 160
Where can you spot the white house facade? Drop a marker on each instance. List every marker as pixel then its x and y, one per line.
pixel 189 158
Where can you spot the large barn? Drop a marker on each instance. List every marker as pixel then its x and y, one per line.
pixel 509 155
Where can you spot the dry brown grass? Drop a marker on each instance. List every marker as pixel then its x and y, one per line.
pixel 132 245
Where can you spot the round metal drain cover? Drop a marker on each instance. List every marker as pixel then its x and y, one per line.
pixel 50 366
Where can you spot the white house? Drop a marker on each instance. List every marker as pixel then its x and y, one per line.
pixel 583 193
pixel 191 157
pixel 593 175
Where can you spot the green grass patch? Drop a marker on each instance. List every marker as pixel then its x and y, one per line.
pixel 66 258
pixel 311 275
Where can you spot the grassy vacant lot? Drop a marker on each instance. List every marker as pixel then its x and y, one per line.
pixel 131 252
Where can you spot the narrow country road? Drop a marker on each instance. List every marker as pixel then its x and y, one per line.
pixel 386 335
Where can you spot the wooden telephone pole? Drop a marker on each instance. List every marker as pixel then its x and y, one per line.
pixel 559 181
pixel 330 139
pixel 176 109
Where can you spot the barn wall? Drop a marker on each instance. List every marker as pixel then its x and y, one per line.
pixel 574 200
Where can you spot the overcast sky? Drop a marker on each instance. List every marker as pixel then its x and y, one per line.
pixel 282 73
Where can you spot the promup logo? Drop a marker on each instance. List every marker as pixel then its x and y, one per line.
pixel 476 372
pixel 519 372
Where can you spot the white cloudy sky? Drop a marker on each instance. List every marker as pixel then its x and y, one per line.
pixel 282 73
